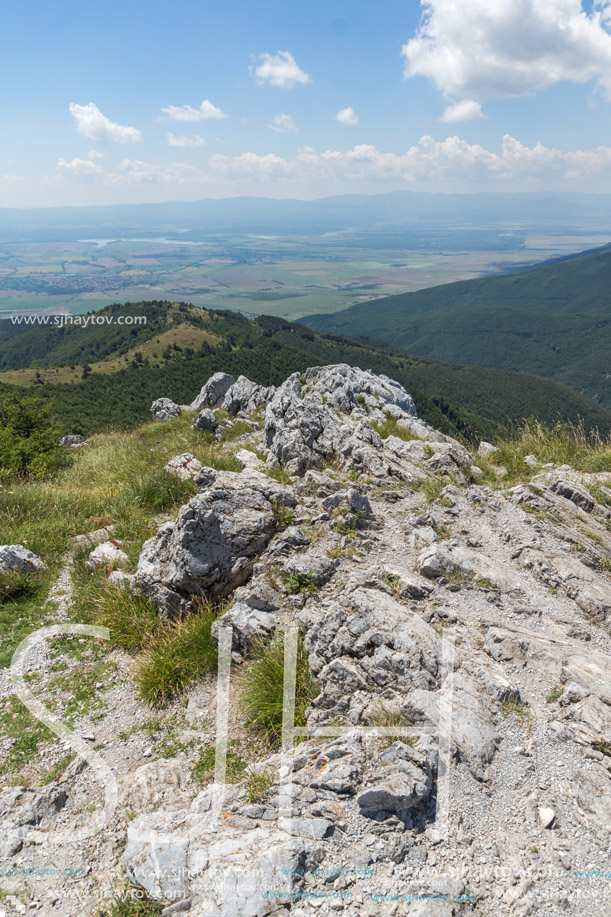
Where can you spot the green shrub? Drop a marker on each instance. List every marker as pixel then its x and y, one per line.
pixel 29 440
pixel 17 585
pixel 262 688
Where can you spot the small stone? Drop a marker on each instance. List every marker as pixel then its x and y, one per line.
pixel 546 817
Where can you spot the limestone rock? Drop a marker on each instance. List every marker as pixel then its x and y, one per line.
pixel 206 421
pixel 213 392
pixel 165 409
pixel 15 558
pixel 245 396
pixel 213 545
pixel 184 466
pixel 106 553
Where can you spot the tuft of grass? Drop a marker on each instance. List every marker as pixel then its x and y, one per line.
pixel 393 580
pixel 132 620
pixel 235 764
pixel 389 718
pixel 553 695
pixel 432 487
pixel 258 785
pixel 57 770
pixel 179 653
pixel 133 902
pixel 278 473
pixel 235 431
pixel 283 515
pixel 390 427
pixel 515 707
pixel 562 443
pixel 262 688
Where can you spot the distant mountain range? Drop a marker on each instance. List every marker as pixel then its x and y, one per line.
pixel 106 376
pixel 553 320
pixel 397 210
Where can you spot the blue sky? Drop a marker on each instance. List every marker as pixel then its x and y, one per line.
pixel 282 98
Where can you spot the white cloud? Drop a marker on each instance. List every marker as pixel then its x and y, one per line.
pixel 428 162
pixel 280 70
pixel 130 172
pixel 467 110
pixel 477 49
pixel 91 123
pixel 82 170
pixel 347 116
pixel 183 140
pixel 188 113
pixel 95 154
pixel 283 124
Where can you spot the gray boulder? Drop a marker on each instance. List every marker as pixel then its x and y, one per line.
pixel 214 543
pixel 73 440
pixel 206 421
pixel 213 392
pixel 14 558
pixel 165 409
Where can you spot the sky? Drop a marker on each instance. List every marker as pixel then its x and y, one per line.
pixel 133 101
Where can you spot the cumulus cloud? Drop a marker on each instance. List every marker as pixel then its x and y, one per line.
pixel 130 172
pixel 428 161
pixel 188 113
pixel 95 154
pixel 347 116
pixel 183 140
pixel 476 49
pixel 283 124
pixel 467 110
pixel 91 123
pixel 279 70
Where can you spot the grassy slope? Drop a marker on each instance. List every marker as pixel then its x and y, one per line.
pixel 268 350
pixel 552 321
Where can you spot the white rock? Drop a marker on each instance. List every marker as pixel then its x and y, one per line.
pixel 106 553
pixel 184 466
pixel 546 817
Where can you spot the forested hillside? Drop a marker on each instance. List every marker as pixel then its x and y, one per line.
pixel 110 388
pixel 553 320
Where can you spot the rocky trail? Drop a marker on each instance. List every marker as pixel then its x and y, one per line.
pixel 459 751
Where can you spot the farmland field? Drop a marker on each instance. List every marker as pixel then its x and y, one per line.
pixel 284 276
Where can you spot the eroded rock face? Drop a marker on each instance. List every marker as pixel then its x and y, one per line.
pixel 326 415
pixel 165 409
pixel 213 392
pixel 15 558
pixel 245 396
pixel 367 642
pixel 206 421
pixel 212 546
